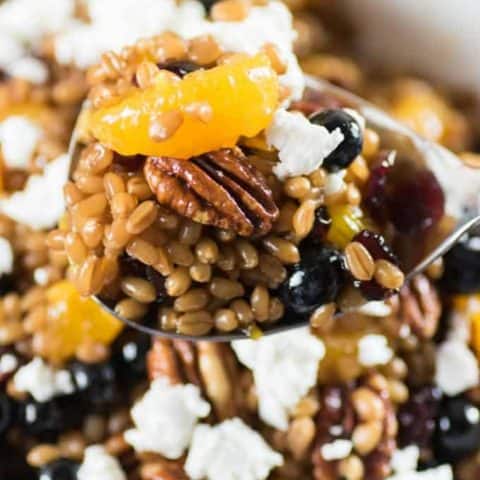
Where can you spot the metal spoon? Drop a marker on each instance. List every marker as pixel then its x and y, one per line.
pixel 461 186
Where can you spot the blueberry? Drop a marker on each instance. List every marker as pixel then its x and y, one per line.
pixel 457 431
pixel 181 67
pixel 49 418
pixel 97 384
pixel 462 267
pixel 314 281
pixel 416 417
pixel 129 356
pixel 6 413
pixel 351 146
pixel 61 469
pixel 6 284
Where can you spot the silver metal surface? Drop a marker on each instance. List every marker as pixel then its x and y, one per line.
pixel 461 186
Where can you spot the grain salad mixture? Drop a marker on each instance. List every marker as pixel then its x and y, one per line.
pixel 215 193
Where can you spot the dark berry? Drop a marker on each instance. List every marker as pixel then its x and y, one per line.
pixel 6 413
pixel 6 284
pixel 181 67
pixel 379 250
pixel 462 267
pixel 130 351
pixel 97 384
pixel 158 281
pixel 416 203
pixel 48 418
pixel 375 192
pixel 13 465
pixel 351 146
pixel 314 281
pixel 416 417
pixel 458 429
pixel 321 226
pixel 61 469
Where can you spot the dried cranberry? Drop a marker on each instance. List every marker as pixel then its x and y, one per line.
pixel 416 417
pixel 416 203
pixel 379 250
pixel 375 193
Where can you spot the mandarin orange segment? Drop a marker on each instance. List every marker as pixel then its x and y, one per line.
pixel 243 96
pixel 73 320
pixel 469 306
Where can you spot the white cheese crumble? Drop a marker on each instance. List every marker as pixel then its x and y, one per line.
pixel 6 257
pixel 23 24
pixel 8 363
pixel 456 367
pixel 116 23
pixel 165 418
pixel 302 146
pixel 42 381
pixel 41 204
pixel 284 368
pixel 336 450
pixel 376 308
pixel 18 139
pixel 230 450
pixel 97 463
pixel 406 459
pixel 444 472
pixel 373 350
pixel 334 183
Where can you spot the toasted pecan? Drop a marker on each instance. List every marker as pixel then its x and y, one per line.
pixel 219 188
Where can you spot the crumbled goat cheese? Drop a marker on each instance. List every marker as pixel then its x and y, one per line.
pixel 23 24
pixel 42 381
pixel 404 463
pixel 28 68
pixel 284 369
pixel 116 23
pixel 406 459
pixel 336 450
pixel 302 146
pixel 375 309
pixel 334 182
pixel 18 139
pixel 457 368
pixel 40 275
pixel 8 363
pixel 373 350
pixel 6 257
pixel 41 203
pixel 230 450
pixel 98 464
pixel 165 418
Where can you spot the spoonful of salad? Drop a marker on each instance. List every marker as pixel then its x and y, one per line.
pixel 199 207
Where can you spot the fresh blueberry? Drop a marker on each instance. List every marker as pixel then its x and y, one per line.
pixel 6 413
pixel 462 267
pixel 96 383
pixel 181 67
pixel 49 418
pixel 314 281
pixel 129 356
pixel 457 431
pixel 61 469
pixel 352 143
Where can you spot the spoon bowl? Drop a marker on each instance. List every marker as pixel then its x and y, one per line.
pixel 460 184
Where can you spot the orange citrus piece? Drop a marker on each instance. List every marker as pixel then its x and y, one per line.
pixel 73 320
pixel 469 305
pixel 242 95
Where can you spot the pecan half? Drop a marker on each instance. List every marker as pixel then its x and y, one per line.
pixel 162 470
pixel 420 307
pixel 162 361
pixel 219 188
